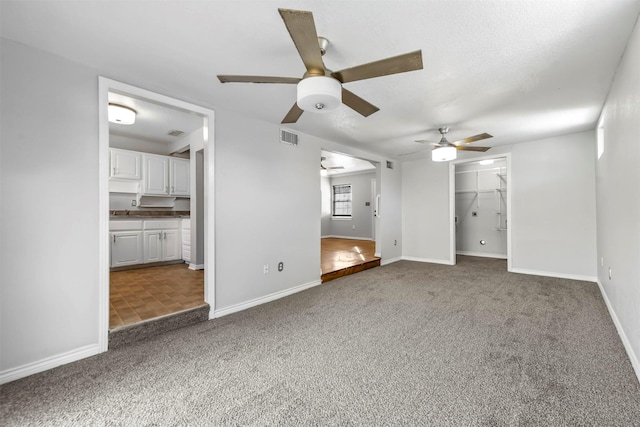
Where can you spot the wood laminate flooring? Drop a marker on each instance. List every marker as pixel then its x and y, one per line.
pixel 341 257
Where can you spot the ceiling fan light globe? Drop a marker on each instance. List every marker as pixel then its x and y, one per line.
pixel 443 154
pixel 319 94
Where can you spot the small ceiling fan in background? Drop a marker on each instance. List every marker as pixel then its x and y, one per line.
pixel 323 167
pixel 320 89
pixel 445 150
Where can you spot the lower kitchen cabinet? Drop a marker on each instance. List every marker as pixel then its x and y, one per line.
pixel 126 248
pixel 161 245
pixel 145 241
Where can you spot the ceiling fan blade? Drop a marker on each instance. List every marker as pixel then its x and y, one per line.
pixel 471 139
pixel 384 67
pixel 302 30
pixel 293 115
pixel 358 104
pixel 426 141
pixel 257 79
pixel 471 148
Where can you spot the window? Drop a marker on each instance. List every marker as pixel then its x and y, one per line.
pixel 342 200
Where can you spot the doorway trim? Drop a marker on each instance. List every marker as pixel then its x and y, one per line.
pixel 452 202
pixel 106 85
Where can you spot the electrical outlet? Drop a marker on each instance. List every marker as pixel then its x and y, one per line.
pixel 266 269
pixel 609 273
pixel 280 266
pixel 353 227
pixel 601 261
pixel 395 243
pixel 134 203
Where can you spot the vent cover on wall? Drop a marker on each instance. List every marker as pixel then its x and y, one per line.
pixel 175 132
pixel 389 165
pixel 288 137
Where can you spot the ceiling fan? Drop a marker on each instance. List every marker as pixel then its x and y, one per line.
pixel 446 150
pixel 323 167
pixel 320 89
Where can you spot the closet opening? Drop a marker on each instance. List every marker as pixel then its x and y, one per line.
pixel 482 208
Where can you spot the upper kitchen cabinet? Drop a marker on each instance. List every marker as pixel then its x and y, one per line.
pixel 125 164
pixel 179 177
pixel 165 176
pixel 156 175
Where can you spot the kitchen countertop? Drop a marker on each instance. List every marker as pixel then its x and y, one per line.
pixel 123 215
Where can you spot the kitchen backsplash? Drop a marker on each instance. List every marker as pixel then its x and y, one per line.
pixel 122 201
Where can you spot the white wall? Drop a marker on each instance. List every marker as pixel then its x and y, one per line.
pixel 618 200
pixel 49 215
pixel 425 211
pixel 553 207
pixel 325 215
pixel 359 226
pixel 390 187
pixel 267 210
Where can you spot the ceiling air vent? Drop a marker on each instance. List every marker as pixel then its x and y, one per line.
pixel 175 132
pixel 287 137
pixel 389 165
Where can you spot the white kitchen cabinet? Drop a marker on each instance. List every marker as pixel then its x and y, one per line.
pixel 179 175
pixel 126 248
pixel 156 175
pixel 161 241
pixel 166 176
pixel 186 239
pixel 125 164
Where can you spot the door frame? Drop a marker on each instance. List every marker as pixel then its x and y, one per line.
pixel 105 86
pixel 452 203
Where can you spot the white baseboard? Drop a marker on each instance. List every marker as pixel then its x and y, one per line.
pixel 482 254
pixel 635 362
pixel 553 274
pixel 196 266
pixel 429 260
pixel 48 363
pixel 390 260
pixel 265 299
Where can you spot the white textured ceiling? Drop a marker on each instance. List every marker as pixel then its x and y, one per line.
pixel 154 121
pixel 517 69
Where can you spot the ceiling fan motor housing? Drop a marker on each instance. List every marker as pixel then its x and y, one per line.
pixel 319 94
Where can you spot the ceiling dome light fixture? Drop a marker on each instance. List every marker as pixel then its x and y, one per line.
pixel 121 114
pixel 319 94
pixel 444 153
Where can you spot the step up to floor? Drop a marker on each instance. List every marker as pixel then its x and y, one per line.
pixel 350 270
pixel 138 331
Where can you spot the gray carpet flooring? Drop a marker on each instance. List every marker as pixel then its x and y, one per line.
pixel 404 344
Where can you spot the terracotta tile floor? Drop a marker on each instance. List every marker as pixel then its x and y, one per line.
pixel 145 293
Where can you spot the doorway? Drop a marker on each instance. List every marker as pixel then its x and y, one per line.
pixel 160 212
pixel 348 222
pixel 481 208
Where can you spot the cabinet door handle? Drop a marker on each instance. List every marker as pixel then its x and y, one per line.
pixel 114 239
pixel 114 170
